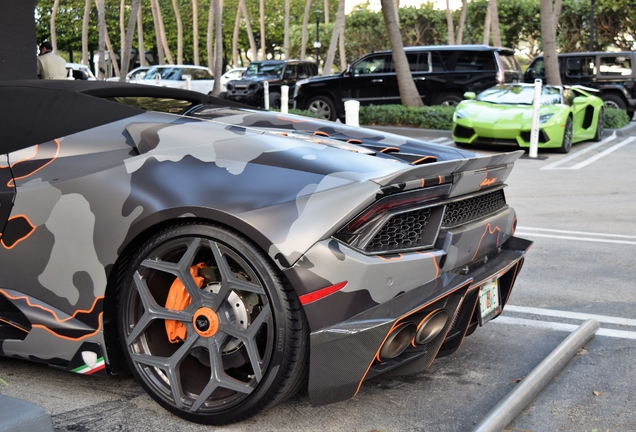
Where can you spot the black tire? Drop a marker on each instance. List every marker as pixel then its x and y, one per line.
pixel 244 342
pixel 322 107
pixel 274 100
pixel 449 99
pixel 613 101
pixel 566 144
pixel 600 126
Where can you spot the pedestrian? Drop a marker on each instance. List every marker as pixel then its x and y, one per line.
pixel 50 65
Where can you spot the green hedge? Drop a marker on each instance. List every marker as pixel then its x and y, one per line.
pixel 438 117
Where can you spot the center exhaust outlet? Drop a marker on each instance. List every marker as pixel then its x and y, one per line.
pixel 431 326
pixel 397 341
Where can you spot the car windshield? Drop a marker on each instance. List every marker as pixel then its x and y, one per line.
pixel 270 69
pixel 519 95
pixel 166 73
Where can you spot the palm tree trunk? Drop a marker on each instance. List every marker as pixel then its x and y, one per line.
pixel 155 21
pixel 286 38
pixel 218 47
pixel 175 6
pixel 235 35
pixel 449 24
pixel 140 38
pixel 303 39
pixel 162 33
pixel 487 25
pixel 248 27
pixel 494 24
pixel 101 41
pixel 462 22
pixel 208 38
pixel 406 85
pixel 326 10
pixel 122 29
pixel 111 51
pixel 56 4
pixel 548 35
pixel 195 31
pixel 262 13
pixel 331 53
pixel 341 47
pixel 130 31
pixel 85 20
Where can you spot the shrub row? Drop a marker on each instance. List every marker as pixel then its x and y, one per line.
pixel 439 117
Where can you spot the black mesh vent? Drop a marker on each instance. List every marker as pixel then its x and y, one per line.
pixel 402 231
pixel 473 208
pixel 464 132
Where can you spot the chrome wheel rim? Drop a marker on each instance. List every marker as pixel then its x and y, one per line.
pixel 320 108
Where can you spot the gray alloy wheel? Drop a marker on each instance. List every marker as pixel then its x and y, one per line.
pixel 207 326
pixel 613 101
pixel 600 126
pixel 322 107
pixel 566 144
pixel 449 100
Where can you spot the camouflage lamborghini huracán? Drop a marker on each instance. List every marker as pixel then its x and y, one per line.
pixel 230 257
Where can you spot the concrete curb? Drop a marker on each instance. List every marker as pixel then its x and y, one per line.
pixel 626 130
pixel 20 416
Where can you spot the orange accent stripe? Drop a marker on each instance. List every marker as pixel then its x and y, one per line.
pixel 353 141
pixel 280 117
pixel 99 328
pixel 423 159
pixel 57 152
pixel 28 301
pixel 397 322
pixel 387 149
pixel 434 260
pixel 440 179
pixel 13 325
pixel 423 181
pixel 23 238
pixel 491 232
pixel 321 133
pixel 397 258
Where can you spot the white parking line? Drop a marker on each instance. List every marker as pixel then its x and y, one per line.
pixel 525 228
pixel 571 315
pixel 603 153
pixel 439 139
pixel 586 239
pixel 579 153
pixel 563 327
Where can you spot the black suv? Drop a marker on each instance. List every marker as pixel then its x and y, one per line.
pixel 249 89
pixel 612 73
pixel 441 73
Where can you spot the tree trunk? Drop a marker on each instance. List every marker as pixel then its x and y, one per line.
pixel 235 35
pixel 406 85
pixel 140 38
pixel 326 11
pixel 122 28
pixel 56 4
pixel 208 39
pixel 155 21
pixel 341 46
pixel 286 37
pixel 85 20
pixel 494 23
pixel 486 40
pixel 303 40
pixel 248 27
pixel 548 35
pixel 449 24
pixel 101 41
pixel 130 31
pixel 462 22
pixel 111 51
pixel 218 47
pixel 331 53
pixel 262 12
pixel 195 31
pixel 177 14
pixel 162 33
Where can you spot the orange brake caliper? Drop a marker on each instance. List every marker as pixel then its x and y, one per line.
pixel 179 299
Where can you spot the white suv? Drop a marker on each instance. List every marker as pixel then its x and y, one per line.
pixel 174 76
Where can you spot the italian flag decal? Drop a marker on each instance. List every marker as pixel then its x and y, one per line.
pixel 93 364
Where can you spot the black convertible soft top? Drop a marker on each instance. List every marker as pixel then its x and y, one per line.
pixel 37 111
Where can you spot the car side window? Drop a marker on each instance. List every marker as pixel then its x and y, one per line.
pixel 290 71
pixel 199 74
pixel 303 71
pixel 580 67
pixel 538 69
pixel 371 65
pixel 615 66
pixel 419 62
pixel 468 61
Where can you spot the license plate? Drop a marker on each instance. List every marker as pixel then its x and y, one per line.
pixel 489 302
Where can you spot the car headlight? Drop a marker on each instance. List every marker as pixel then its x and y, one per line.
pixel 545 117
pixel 229 86
pixel 461 113
pixel 253 86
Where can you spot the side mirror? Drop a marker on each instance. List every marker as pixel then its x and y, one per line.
pixel 470 95
pixel 347 71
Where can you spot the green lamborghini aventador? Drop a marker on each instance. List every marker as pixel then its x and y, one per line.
pixel 503 115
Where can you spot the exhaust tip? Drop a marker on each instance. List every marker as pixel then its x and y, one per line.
pixel 431 326
pixel 397 341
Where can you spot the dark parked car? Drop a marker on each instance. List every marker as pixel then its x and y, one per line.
pixel 442 75
pixel 229 265
pixel 612 73
pixel 249 89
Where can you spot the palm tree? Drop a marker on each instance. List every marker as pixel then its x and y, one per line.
pixel 195 31
pixel 140 38
pixel 549 20
pixel 111 51
pixel 494 23
pixel 122 28
pixel 331 53
pixel 208 37
pixel 406 85
pixel 235 36
pixel 155 21
pixel 462 21
pixel 262 13
pixel 218 47
pixel 56 4
pixel 286 38
pixel 175 6
pixel 101 41
pixel 326 10
pixel 125 58
pixel 162 32
pixel 248 27
pixel 87 12
pixel 449 24
pixel 303 39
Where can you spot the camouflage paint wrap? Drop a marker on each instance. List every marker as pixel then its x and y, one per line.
pixel 71 206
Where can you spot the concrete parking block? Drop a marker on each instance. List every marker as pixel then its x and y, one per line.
pixel 20 416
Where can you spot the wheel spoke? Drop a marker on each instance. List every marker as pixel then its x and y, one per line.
pixel 218 377
pixel 169 365
pixel 248 337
